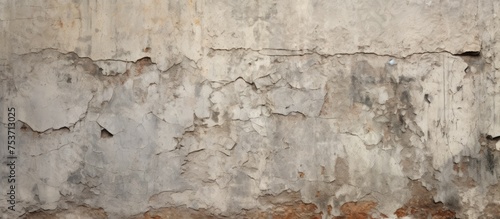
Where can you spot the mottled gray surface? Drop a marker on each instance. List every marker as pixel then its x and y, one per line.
pixel 130 106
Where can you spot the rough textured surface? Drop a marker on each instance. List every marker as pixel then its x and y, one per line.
pixel 252 109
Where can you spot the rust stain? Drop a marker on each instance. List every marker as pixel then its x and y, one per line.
pixel 492 210
pixel 443 214
pixel 421 205
pixel 175 212
pixel 358 210
pixel 296 210
pixel 147 216
pixel 425 211
pixel 401 212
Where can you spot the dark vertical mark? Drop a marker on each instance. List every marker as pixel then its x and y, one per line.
pixel 490 161
pixel 427 98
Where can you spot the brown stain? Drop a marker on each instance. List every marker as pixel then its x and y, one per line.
pixel 26 127
pixel 416 212
pixel 357 210
pixel 492 210
pixel 401 212
pixel 301 174
pixel 141 63
pixel 462 176
pixel 123 78
pixel 148 216
pixel 443 214
pixel 329 209
pixel 175 212
pixel 147 49
pixel 196 21
pixel 60 23
pixel 457 167
pixel 295 210
pixel 116 79
pixel 286 205
pixel 422 205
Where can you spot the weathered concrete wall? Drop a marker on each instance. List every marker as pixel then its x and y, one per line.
pixel 251 109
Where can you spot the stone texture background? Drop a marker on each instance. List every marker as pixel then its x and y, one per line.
pixel 252 109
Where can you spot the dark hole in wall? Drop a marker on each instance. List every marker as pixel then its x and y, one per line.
pixel 105 133
pixel 470 53
pixel 491 138
pixel 427 98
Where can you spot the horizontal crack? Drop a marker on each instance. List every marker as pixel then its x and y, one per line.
pixel 291 52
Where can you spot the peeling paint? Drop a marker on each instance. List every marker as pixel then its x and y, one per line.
pixel 217 109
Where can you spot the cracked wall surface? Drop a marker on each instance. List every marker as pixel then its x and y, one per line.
pixel 252 109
